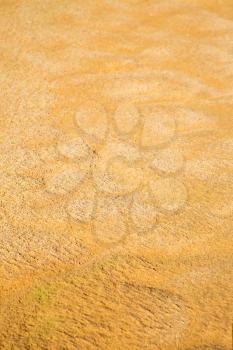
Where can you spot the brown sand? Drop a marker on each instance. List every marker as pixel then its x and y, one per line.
pixel 116 182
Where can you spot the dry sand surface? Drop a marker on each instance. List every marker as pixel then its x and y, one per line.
pixel 116 181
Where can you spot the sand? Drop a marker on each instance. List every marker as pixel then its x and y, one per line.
pixel 116 182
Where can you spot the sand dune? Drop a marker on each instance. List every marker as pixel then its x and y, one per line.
pixel 116 190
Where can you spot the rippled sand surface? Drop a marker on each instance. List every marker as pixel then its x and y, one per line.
pixel 116 182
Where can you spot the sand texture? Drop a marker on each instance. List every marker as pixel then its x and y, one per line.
pixel 116 174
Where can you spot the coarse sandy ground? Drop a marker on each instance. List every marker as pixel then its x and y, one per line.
pixel 116 181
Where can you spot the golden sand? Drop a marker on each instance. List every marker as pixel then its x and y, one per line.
pixel 116 182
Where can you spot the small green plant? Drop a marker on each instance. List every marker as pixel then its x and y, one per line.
pixel 43 294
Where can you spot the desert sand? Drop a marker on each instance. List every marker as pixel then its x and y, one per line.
pixel 116 182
